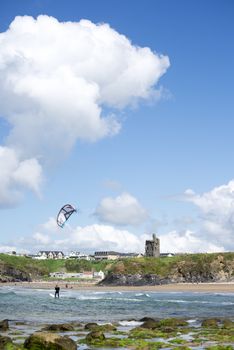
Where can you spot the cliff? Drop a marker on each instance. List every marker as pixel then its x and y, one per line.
pixel 191 268
pixel 12 274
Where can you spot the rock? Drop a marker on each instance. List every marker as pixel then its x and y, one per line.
pixel 4 341
pixel 107 327
pixel 95 336
pixel 210 322
pixel 168 329
pixel 167 324
pixel 49 341
pixel 228 324
pixel 64 327
pixel 96 327
pixel 91 325
pixel 150 324
pixel 119 279
pixel 173 322
pixel 145 319
pixel 4 325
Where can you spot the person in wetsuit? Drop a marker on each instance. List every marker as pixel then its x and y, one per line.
pixel 56 293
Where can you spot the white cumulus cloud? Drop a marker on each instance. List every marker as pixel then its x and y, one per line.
pixel 187 242
pixel 86 239
pixel 106 237
pixel 17 174
pixel 122 210
pixel 7 249
pixel 41 238
pixel 56 80
pixel 217 213
pixel 56 77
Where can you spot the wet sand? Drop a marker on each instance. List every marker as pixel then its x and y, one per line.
pixel 177 287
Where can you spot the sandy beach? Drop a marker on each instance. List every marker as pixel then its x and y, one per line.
pixel 177 287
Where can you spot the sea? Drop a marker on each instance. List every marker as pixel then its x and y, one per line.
pixel 38 305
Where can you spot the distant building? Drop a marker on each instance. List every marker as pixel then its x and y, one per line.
pixel 11 253
pixel 79 256
pixel 152 247
pixel 106 255
pixel 110 255
pixel 166 255
pixel 130 255
pixel 82 275
pixel 50 254
pixel 98 275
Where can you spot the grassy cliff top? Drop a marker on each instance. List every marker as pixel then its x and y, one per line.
pixel 165 266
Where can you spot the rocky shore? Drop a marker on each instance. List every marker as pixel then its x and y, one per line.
pixel 144 334
pixel 118 279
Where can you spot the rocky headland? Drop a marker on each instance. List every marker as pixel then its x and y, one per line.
pixel 197 268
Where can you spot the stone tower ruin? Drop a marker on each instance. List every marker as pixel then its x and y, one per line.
pixel 152 248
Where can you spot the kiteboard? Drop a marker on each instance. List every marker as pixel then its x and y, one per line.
pixel 53 296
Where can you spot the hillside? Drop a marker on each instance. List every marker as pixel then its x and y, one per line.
pixel 14 268
pixel 138 271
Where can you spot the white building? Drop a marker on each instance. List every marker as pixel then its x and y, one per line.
pixel 78 255
pixel 100 275
pixel 50 254
pixel 83 275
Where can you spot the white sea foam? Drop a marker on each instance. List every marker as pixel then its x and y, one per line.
pixel 192 321
pixel 142 294
pixel 130 323
pixel 82 297
pixel 104 323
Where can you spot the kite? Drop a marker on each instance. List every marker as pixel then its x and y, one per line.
pixel 64 214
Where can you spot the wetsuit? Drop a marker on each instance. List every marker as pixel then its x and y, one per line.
pixel 56 294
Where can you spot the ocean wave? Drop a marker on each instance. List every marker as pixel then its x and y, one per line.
pixel 225 294
pixel 142 294
pixel 10 293
pixel 194 301
pixel 82 297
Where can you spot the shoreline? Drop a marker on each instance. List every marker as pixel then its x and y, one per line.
pixel 176 287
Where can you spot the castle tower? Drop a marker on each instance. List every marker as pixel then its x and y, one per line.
pixel 152 248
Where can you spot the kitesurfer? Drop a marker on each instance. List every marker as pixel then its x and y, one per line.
pixel 56 293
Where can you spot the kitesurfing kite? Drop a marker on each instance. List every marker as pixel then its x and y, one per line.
pixel 64 214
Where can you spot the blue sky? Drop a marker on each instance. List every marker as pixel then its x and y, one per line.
pixel 155 164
